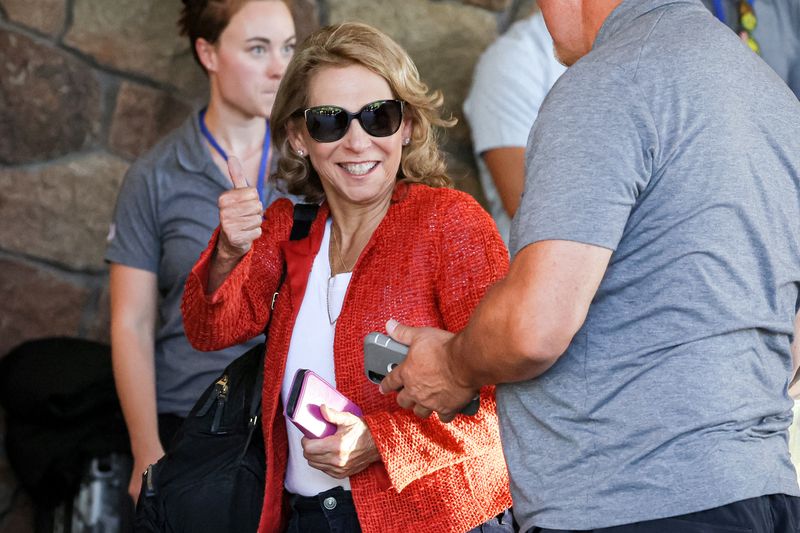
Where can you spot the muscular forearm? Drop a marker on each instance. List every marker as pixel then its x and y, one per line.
pixel 527 320
pixel 495 348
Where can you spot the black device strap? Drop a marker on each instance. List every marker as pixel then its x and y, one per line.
pixel 304 215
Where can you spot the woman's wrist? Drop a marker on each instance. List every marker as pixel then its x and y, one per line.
pixel 221 265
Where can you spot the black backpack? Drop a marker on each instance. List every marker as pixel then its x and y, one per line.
pixel 212 476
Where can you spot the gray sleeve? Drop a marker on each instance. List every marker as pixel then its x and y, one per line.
pixel 134 239
pixel 590 155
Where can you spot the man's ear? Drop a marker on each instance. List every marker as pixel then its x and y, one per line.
pixel 207 53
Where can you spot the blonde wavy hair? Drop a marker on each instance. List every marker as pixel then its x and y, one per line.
pixel 343 45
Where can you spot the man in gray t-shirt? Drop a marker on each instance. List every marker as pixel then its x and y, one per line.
pixel 642 336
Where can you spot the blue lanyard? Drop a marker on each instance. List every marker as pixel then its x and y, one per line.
pixel 719 9
pixel 262 167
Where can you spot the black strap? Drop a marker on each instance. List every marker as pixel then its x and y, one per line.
pixel 304 215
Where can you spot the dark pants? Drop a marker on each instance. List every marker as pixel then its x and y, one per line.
pixel 777 513
pixel 333 511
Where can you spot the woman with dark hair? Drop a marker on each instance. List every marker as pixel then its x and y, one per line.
pixel 167 209
pixel 354 125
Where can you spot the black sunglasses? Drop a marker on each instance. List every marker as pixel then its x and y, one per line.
pixel 329 123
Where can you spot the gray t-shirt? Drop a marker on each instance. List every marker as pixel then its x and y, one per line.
pixel 673 145
pixel 777 32
pixel 165 214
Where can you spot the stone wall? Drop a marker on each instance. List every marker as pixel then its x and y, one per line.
pixel 86 86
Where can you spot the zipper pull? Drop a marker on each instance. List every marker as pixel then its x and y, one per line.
pixel 218 414
pixel 222 398
pixel 149 482
pixel 220 389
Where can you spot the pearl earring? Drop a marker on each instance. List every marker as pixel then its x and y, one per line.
pixel 301 153
pixel 406 141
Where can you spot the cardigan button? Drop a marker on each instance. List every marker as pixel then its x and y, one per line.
pixel 329 503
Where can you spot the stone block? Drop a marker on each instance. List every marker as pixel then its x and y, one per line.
pixel 49 100
pixel 524 9
pixel 141 117
pixel 60 212
pixel 137 36
pixel 306 17
pixel 46 16
pixel 37 302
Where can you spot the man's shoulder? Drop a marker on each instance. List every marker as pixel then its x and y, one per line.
pixel 588 79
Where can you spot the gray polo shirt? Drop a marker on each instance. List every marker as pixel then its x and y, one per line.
pixel 165 214
pixel 675 146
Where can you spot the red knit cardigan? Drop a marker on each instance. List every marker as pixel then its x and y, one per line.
pixel 428 263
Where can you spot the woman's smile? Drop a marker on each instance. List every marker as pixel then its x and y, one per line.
pixel 361 168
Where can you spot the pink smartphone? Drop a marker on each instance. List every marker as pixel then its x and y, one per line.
pixel 307 394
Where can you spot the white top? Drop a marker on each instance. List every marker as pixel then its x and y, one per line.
pixel 311 347
pixel 510 82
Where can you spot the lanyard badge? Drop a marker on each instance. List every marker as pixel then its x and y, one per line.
pixel 262 167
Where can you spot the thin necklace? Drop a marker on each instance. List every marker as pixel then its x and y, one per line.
pixel 331 279
pixel 338 249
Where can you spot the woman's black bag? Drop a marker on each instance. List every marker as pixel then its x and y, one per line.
pixel 212 476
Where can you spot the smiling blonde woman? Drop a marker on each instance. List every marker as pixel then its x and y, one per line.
pixel 355 127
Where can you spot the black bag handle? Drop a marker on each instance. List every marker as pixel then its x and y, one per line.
pixel 303 216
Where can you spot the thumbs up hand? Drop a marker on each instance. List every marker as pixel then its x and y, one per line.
pixel 240 215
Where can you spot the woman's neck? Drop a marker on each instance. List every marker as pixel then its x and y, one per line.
pixel 238 135
pixel 353 227
pixel 354 219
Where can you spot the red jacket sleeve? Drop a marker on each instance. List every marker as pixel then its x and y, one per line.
pixel 239 309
